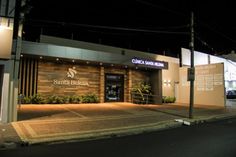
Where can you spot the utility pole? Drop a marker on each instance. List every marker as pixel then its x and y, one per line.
pixel 12 116
pixel 191 70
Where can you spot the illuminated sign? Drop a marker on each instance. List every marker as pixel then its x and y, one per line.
pixel 73 81
pixel 146 62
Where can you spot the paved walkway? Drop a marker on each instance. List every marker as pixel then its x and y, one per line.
pixel 57 123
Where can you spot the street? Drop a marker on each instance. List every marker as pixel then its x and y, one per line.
pixel 216 139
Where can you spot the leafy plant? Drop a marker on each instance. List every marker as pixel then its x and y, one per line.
pixel 90 98
pixel 168 99
pixel 26 100
pixel 37 99
pixel 74 99
pixel 54 99
pixel 140 90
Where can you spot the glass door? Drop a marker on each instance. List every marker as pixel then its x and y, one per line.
pixel 114 88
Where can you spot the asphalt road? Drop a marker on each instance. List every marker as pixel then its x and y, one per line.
pixel 216 139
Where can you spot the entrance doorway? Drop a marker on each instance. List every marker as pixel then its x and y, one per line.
pixel 114 88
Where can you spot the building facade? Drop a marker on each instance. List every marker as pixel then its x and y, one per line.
pixel 48 70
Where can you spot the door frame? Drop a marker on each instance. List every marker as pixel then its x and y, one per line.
pixel 122 86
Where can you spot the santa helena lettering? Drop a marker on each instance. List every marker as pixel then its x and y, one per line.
pixel 70 82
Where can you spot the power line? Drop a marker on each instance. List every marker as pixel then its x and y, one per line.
pixel 218 32
pixel 181 14
pixel 111 27
pixel 205 43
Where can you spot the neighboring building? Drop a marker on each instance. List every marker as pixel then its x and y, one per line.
pixel 214 76
pixel 205 59
pixel 7 11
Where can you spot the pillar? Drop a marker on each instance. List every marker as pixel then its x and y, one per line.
pixel 102 81
pixel 156 83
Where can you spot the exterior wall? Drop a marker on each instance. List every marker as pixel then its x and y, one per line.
pixel 6 36
pixel 52 78
pixel 48 72
pixel 170 76
pixel 170 80
pixel 28 76
pixel 139 76
pixel 208 85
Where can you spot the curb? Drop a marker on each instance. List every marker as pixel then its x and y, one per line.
pixel 208 119
pixel 120 132
pixel 138 130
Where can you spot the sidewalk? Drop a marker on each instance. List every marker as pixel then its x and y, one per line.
pixel 61 123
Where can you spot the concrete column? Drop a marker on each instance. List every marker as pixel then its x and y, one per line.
pixel 129 84
pixel 6 97
pixel 156 83
pixel 102 82
pixel 5 92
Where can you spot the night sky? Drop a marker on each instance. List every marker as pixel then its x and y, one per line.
pixel 156 26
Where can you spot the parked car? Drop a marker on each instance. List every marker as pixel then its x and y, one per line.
pixel 231 94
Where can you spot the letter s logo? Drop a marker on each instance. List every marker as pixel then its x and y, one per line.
pixel 71 72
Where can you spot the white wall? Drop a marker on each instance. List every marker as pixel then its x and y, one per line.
pixel 5 92
pixel 204 59
pixel 199 57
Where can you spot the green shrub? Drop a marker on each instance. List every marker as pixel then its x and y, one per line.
pixel 37 99
pixel 90 98
pixel 54 99
pixel 26 100
pixel 65 99
pixel 168 99
pixel 74 99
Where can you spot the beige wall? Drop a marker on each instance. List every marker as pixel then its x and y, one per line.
pixel 6 35
pixel 208 85
pixel 170 79
pixel 5 42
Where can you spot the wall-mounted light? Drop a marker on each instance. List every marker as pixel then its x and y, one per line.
pixel 167 83
pixel 57 59
pixel 41 57
pixel 100 63
pixel 73 60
